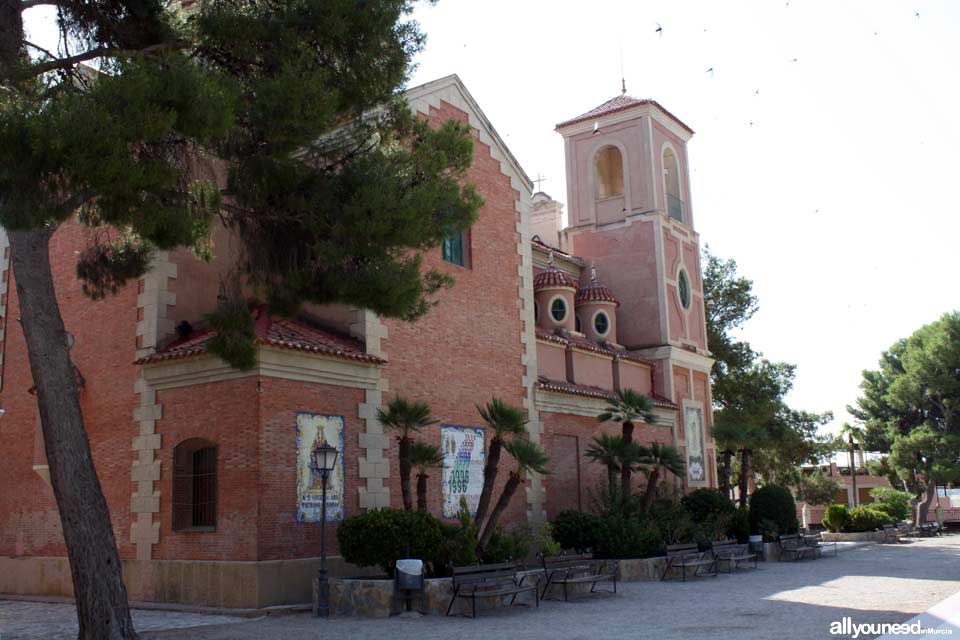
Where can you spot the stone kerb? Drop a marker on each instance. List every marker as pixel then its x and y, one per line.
pixel 859 536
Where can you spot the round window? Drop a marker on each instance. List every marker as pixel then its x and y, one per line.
pixel 558 309
pixel 684 287
pixel 601 323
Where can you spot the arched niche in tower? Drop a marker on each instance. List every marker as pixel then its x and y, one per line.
pixel 671 185
pixel 609 172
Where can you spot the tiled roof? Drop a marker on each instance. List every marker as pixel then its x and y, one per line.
pixel 586 391
pixel 275 332
pixel 553 277
pixel 617 104
pixel 596 292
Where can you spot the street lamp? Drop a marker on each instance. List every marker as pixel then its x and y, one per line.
pixel 324 459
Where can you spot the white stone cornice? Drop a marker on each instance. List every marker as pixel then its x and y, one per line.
pixel 696 361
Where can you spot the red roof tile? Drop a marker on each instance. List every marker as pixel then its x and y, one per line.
pixel 275 332
pixel 617 104
pixel 537 242
pixel 587 391
pixel 596 292
pixel 553 277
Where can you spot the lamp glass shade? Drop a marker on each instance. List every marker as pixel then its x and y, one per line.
pixel 325 457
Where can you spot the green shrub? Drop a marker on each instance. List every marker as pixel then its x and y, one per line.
pixel 576 530
pixel 703 503
pixel 891 510
pixel 835 517
pixel 458 546
pixel 674 522
pixel 897 502
pixel 626 537
pixel 866 519
pixel 776 505
pixel 504 546
pixel 378 538
pixel 739 525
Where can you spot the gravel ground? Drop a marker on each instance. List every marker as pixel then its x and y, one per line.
pixel 873 584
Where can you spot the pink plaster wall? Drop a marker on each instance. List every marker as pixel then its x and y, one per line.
pixel 543 298
pixel 593 369
pixel 626 261
pixel 662 135
pixel 636 376
pixel 586 312
pixel 551 360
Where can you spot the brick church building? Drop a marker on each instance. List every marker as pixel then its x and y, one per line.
pixel 205 467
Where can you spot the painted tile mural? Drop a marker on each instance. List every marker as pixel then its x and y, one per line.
pixel 463 459
pixel 313 430
pixel 693 426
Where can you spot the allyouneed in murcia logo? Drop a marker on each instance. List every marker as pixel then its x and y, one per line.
pixel 847 627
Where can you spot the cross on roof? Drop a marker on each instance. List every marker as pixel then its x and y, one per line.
pixel 539 180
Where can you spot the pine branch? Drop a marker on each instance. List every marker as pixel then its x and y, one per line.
pixel 102 52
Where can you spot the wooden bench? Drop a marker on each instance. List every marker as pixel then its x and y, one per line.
pixel 733 554
pixel 815 541
pixel 687 556
pixel 488 581
pixel 794 545
pixel 576 569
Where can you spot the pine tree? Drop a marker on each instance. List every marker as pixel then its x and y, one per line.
pixel 332 186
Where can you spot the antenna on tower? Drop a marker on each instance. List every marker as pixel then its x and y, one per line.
pixel 623 81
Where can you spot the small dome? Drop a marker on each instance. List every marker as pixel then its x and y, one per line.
pixel 552 277
pixel 594 291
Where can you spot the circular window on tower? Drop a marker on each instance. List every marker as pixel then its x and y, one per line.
pixel 558 309
pixel 683 286
pixel 601 323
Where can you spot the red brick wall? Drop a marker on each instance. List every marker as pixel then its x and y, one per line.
pixel 467 349
pixel 574 482
pixel 104 352
pixel 225 413
pixel 280 537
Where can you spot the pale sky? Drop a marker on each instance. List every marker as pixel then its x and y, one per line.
pixel 835 201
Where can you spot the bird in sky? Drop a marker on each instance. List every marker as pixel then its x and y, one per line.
pixel 794 60
pixel 659 31
pixel 710 71
pixel 757 92
pixel 916 14
pixel 596 128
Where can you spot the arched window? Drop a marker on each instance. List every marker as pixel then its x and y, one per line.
pixel 195 485
pixel 671 182
pixel 609 173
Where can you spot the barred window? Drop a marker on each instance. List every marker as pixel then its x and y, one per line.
pixel 195 485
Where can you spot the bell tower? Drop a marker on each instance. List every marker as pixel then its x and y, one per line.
pixel 628 195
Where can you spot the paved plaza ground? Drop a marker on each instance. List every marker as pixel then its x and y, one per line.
pixel 871 584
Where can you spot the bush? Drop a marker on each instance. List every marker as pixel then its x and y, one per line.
pixel 835 517
pixel 775 504
pixel 673 521
pixel 866 519
pixel 576 530
pixel 739 526
pixel 459 544
pixel 626 537
pixel 897 502
pixel 704 503
pixel 505 546
pixel 378 538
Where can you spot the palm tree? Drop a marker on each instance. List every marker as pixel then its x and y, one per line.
pixel 504 420
pixel 424 457
pixel 726 468
pixel 659 457
pixel 406 418
pixel 607 450
pixel 743 437
pixel 855 435
pixel 530 457
pixel 626 408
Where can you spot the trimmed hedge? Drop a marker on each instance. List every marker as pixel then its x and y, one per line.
pixel 835 517
pixel 773 506
pixel 576 530
pixel 379 538
pixel 867 518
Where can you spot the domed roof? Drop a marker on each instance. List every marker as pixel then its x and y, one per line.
pixel 595 291
pixel 552 277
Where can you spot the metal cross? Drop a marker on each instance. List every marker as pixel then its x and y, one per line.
pixel 539 180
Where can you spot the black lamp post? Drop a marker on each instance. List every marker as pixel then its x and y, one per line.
pixel 324 460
